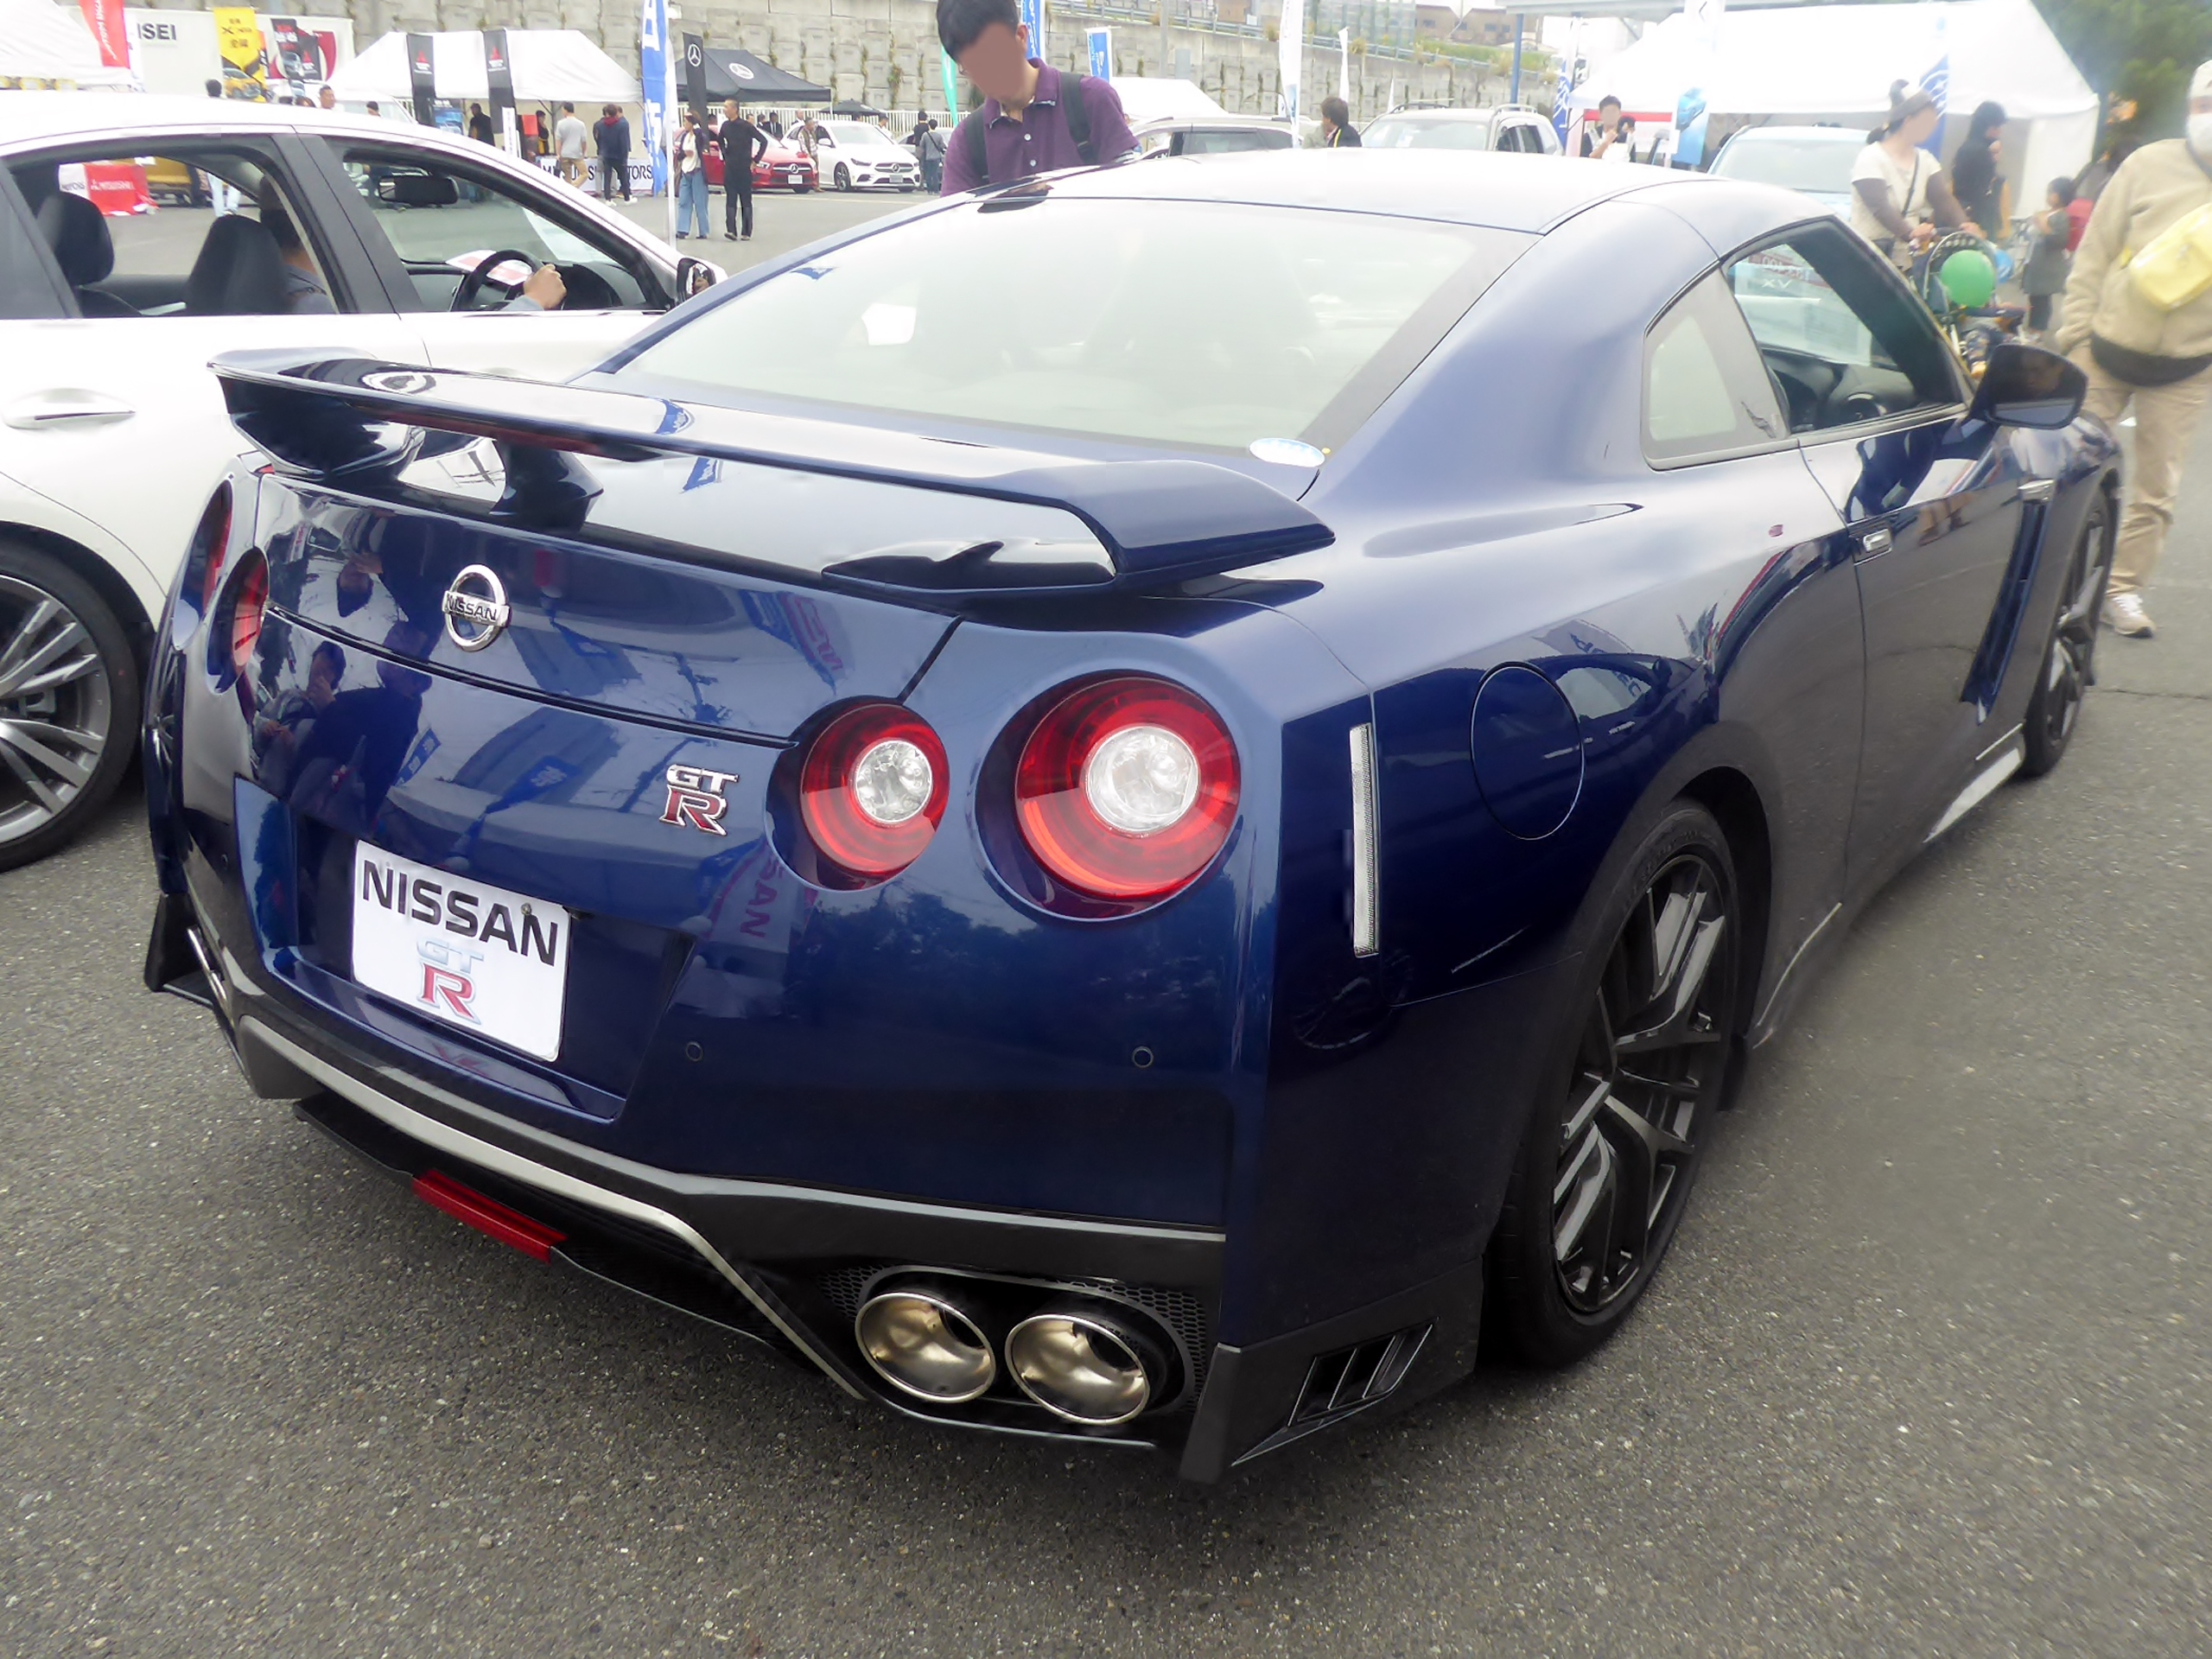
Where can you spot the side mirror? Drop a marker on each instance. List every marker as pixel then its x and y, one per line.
pixel 693 276
pixel 2026 386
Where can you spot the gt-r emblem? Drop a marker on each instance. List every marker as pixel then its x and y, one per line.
pixel 695 798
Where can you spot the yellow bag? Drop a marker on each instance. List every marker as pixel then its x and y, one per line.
pixel 2176 265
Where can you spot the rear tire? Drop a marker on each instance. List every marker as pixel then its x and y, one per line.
pixel 69 701
pixel 844 180
pixel 2068 668
pixel 1641 1059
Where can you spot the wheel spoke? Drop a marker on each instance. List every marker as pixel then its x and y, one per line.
pixel 30 780
pixel 26 655
pixel 15 737
pixel 1572 1223
pixel 1671 1018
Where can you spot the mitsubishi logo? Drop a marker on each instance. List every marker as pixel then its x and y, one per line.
pixel 476 608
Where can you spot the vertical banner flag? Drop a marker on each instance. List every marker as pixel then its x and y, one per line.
pixel 1563 100
pixel 952 88
pixel 237 41
pixel 694 74
pixel 1291 37
pixel 1344 64
pixel 297 54
pixel 657 77
pixel 423 78
pixel 1032 18
pixel 1703 19
pixel 104 19
pixel 499 84
pixel 1936 83
pixel 1102 54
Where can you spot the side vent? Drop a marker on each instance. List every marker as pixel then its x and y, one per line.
pixel 1347 1381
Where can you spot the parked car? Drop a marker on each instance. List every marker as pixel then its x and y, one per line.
pixel 1511 127
pixel 1203 135
pixel 1148 884
pixel 1815 162
pixel 112 431
pixel 859 156
pixel 785 165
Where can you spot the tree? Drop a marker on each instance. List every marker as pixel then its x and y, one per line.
pixel 2146 50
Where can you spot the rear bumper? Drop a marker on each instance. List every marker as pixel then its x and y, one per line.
pixel 786 1265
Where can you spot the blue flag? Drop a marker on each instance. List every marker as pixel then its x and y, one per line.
pixel 1936 83
pixel 653 77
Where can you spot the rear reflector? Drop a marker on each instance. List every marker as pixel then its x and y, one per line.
pixel 533 1238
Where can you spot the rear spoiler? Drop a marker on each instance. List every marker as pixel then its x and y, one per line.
pixel 354 422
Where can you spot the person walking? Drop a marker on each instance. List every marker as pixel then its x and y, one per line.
pixel 1337 130
pixel 1975 180
pixel 2143 342
pixel 2044 278
pixel 612 133
pixel 743 143
pixel 1899 188
pixel 569 137
pixel 931 149
pixel 1033 118
pixel 691 176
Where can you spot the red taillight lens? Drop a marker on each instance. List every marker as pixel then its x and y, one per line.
pixel 872 792
pixel 246 605
pixel 212 541
pixel 1126 788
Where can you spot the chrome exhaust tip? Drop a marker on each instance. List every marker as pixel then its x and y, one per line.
pixel 1084 1365
pixel 922 1345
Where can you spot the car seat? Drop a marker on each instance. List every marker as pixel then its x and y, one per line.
pixel 76 233
pixel 239 273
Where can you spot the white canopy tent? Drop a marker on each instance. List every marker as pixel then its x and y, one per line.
pixel 551 66
pixel 42 42
pixel 1162 98
pixel 1835 63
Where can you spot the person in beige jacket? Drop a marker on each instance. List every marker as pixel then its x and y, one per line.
pixel 2132 352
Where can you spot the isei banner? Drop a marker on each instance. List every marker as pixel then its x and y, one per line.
pixel 423 78
pixel 104 19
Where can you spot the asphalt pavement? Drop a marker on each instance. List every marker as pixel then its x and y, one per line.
pixel 783 221
pixel 1926 1372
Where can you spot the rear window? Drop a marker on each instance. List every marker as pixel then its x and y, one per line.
pixel 1435 132
pixel 1189 324
pixel 1821 165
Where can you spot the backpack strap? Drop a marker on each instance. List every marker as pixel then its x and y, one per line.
pixel 1076 111
pixel 971 134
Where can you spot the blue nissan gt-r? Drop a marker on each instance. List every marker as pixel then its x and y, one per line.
pixel 1137 808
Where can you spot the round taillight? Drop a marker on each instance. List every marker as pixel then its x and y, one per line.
pixel 247 602
pixel 1126 788
pixel 211 542
pixel 872 792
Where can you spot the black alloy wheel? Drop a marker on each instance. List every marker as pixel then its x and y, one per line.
pixel 844 180
pixel 68 703
pixel 1612 1152
pixel 2069 663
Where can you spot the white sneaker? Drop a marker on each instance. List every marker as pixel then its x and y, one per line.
pixel 2123 614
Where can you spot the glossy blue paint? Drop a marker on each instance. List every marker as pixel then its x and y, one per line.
pixel 1551 638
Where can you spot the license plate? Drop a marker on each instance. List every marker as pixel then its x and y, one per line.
pixel 477 956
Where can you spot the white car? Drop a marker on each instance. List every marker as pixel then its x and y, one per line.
pixel 227 225
pixel 1511 127
pixel 854 155
pixel 1815 160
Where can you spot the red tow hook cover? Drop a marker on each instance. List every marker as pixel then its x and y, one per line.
pixel 533 1238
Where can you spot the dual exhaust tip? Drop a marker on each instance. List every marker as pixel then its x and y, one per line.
pixel 1082 1360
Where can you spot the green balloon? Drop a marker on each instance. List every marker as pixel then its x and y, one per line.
pixel 1969 278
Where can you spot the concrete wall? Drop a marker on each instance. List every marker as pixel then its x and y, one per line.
pixel 885 51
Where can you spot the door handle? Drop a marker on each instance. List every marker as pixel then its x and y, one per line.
pixel 51 410
pixel 1875 541
pixel 2039 489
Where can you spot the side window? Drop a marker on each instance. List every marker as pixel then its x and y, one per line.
pixel 1843 337
pixel 1705 392
pixel 441 218
pixel 182 230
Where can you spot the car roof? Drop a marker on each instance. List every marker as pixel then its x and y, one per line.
pixel 1504 192
pixel 1416 112
pixel 25 116
pixel 1816 135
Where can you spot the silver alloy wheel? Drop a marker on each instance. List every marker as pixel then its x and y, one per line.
pixel 56 708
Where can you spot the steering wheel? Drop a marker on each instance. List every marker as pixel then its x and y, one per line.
pixel 477 280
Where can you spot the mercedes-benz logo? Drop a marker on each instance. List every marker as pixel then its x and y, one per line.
pixel 476 608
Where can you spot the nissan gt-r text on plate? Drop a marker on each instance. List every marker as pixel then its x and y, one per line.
pixel 1133 809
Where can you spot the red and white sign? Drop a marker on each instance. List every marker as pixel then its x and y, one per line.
pixel 104 19
pixel 117 188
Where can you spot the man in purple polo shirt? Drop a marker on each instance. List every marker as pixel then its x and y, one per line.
pixel 1033 118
